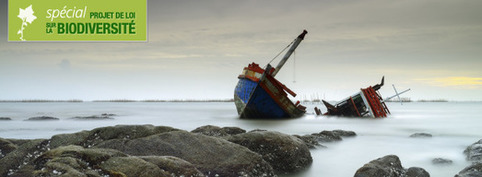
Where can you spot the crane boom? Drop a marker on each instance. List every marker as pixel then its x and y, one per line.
pixel 290 51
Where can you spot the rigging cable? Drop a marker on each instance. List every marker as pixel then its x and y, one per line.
pixel 281 51
pixel 294 66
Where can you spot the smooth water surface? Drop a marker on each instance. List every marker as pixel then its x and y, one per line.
pixel 454 126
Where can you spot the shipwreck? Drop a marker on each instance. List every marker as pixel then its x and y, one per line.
pixel 259 94
pixel 366 103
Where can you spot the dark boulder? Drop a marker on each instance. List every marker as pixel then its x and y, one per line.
pixel 334 135
pixel 211 130
pixel 421 135
pixel 285 153
pixel 93 117
pixel 18 161
pixel 258 130
pixel 174 166
pixel 311 141
pixel 389 166
pixel 96 162
pixel 416 172
pixel 5 118
pixel 103 116
pixel 327 136
pixel 344 133
pixel 474 170
pixel 131 166
pixel 147 150
pixel 126 132
pixel 78 161
pixel 441 161
pixel 233 130
pixel 19 142
pixel 6 146
pixel 474 152
pixel 78 138
pixel 108 114
pixel 212 156
pixel 98 135
pixel 42 118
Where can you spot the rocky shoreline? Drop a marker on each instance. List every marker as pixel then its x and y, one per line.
pixel 147 150
pixel 103 116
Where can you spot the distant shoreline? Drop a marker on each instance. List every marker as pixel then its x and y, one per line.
pixel 113 101
pixel 182 101
pixel 40 101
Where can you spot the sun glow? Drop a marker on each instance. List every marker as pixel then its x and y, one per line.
pixel 467 82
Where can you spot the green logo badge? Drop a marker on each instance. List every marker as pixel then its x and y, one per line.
pixel 27 17
pixel 77 20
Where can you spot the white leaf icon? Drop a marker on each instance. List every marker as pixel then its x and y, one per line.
pixel 27 17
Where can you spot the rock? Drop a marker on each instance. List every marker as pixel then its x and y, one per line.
pixel 416 172
pixel 147 150
pixel 314 139
pixel 285 153
pixel 174 166
pixel 42 118
pixel 389 166
pixel 210 130
pixel 216 131
pixel 311 141
pixel 344 133
pixel 327 136
pixel 421 135
pixel 139 142
pixel 90 155
pixel 6 147
pixel 257 130
pixel 474 152
pixel 5 118
pixel 233 130
pixel 108 114
pixel 78 161
pixel 441 161
pixel 98 135
pixel 132 166
pixel 19 142
pixel 78 138
pixel 474 170
pixel 103 116
pixel 67 166
pixel 212 156
pixel 128 131
pixel 19 160
pixel 94 117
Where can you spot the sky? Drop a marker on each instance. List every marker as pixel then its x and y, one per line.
pixel 196 49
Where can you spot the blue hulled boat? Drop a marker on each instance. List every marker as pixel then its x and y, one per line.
pixel 259 95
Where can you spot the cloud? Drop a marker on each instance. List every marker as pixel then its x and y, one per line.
pixel 460 82
pixel 64 64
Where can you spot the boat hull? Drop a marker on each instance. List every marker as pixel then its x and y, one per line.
pixel 366 103
pixel 264 99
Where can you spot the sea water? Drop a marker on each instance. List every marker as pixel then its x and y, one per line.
pixel 454 126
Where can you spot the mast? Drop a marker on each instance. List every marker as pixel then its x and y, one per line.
pixel 290 51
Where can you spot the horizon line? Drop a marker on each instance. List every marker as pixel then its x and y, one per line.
pixel 190 100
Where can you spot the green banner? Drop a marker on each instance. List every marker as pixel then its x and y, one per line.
pixel 77 20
